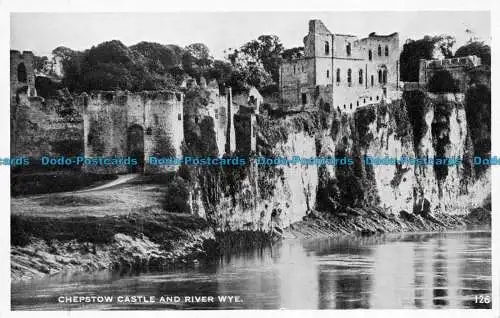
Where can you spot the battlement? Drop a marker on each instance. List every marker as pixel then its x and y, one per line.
pixel 22 73
pixel 21 55
pixel 121 97
pixel 466 61
pixel 147 94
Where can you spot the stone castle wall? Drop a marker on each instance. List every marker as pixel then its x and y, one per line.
pixel 45 127
pixel 458 67
pixel 111 118
pixel 120 123
pixel 208 107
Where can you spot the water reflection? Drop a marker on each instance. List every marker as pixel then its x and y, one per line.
pixel 440 283
pixel 444 270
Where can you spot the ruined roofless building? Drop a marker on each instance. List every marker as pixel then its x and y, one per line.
pixel 340 71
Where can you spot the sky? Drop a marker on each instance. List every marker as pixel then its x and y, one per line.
pixel 42 32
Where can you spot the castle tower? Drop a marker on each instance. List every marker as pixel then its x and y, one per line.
pixel 22 73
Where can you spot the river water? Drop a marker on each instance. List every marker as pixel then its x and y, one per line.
pixel 415 270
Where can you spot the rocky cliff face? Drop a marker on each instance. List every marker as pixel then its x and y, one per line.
pixel 418 126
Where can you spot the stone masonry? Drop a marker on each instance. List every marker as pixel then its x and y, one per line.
pixel 340 71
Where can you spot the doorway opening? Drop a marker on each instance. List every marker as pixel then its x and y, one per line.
pixel 135 145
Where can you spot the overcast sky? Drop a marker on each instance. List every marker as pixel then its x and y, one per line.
pixel 42 32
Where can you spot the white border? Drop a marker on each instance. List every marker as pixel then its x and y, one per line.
pixel 234 5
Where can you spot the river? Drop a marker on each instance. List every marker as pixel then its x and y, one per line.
pixel 414 270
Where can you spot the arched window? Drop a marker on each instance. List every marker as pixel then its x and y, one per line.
pixel 370 55
pixel 21 73
pixel 386 50
pixel 349 76
pixel 372 80
pixel 380 76
pixel 379 50
pixel 384 76
pixel 348 49
pixel 327 73
pixel 360 76
pixel 327 48
pixel 338 75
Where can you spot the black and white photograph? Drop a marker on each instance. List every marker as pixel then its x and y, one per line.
pixel 239 160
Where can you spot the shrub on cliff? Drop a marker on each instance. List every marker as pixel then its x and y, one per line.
pixel 363 118
pixel 415 103
pixel 478 48
pixel 426 48
pixel 440 130
pixel 478 112
pixel 177 196
pixel 442 82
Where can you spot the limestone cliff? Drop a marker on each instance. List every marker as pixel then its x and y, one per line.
pixel 418 126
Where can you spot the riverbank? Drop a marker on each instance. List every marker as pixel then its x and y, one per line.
pixel 43 246
pixel 374 221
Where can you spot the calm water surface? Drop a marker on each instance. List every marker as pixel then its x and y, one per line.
pixel 422 270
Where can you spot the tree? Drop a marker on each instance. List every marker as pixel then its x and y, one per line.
pixel 200 55
pixel 40 64
pixel 220 71
pixel 293 53
pixel 478 48
pixel 199 51
pixel 63 53
pixel 158 58
pixel 265 51
pixel 430 47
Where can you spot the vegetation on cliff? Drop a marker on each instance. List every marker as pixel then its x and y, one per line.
pixel 442 82
pixel 437 47
pixel 416 106
pixel 478 112
pixel 475 47
pixel 426 48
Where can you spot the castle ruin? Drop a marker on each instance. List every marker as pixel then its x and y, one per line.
pixel 340 71
pixel 460 69
pixel 125 124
